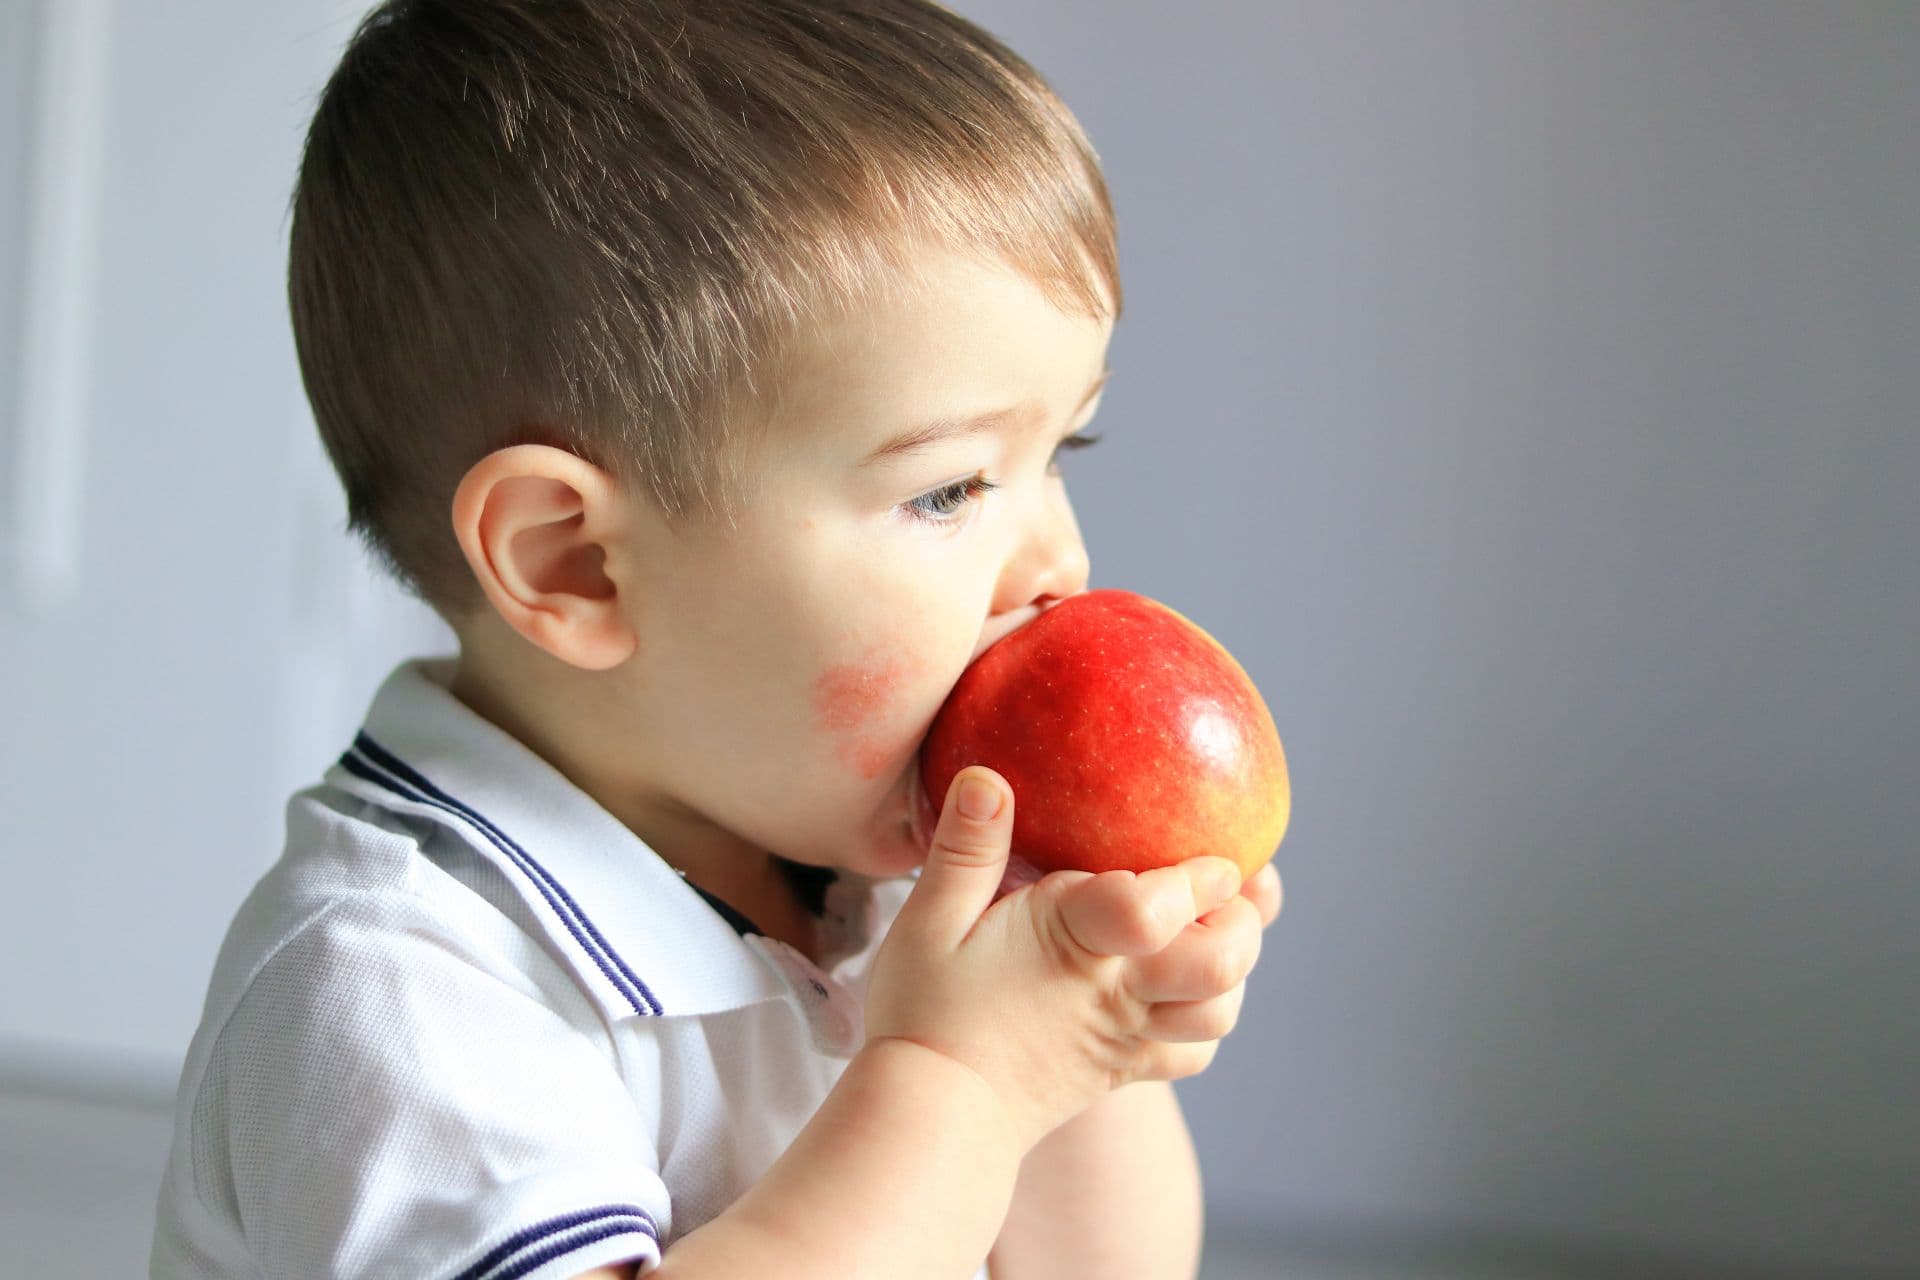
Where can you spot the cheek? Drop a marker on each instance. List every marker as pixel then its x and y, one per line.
pixel 860 706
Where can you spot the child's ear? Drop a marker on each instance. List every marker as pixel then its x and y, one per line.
pixel 543 531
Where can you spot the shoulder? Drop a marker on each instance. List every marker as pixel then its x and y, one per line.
pixel 356 944
pixel 388 1079
pixel 349 874
pixel 389 1058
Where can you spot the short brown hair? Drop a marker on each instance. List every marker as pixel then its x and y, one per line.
pixel 602 224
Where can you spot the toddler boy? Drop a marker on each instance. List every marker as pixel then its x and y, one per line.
pixel 706 366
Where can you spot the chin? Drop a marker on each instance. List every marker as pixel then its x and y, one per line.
pixel 898 841
pixel 892 850
pixel 894 841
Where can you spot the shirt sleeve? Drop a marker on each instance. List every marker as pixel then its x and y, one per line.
pixel 391 1097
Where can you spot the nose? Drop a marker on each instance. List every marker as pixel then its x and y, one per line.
pixel 1048 563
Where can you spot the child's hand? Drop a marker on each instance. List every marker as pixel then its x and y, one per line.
pixel 1069 987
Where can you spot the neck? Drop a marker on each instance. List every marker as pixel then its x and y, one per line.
pixel 555 714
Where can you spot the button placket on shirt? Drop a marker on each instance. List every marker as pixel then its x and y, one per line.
pixel 831 1018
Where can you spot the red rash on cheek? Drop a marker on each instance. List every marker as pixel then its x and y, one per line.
pixel 851 702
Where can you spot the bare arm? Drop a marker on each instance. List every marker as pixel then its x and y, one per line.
pixel 906 1169
pixel 1113 1192
pixel 1077 1201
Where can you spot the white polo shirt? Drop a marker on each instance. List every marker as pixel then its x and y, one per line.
pixel 469 1026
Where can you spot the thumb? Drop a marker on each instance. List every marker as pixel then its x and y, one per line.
pixel 968 856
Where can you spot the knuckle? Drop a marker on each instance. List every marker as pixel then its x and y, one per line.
pixel 1238 914
pixel 1200 1022
pixel 1174 904
pixel 1174 1060
pixel 1146 923
pixel 1219 1021
pixel 1240 924
pixel 1142 917
pixel 1219 969
pixel 1197 1057
pixel 968 846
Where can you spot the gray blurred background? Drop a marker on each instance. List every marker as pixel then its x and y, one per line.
pixel 1526 393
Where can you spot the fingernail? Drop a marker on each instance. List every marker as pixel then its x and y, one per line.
pixel 979 799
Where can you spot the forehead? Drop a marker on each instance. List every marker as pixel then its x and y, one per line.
pixel 962 335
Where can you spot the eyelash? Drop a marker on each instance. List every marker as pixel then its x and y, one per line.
pixel 950 500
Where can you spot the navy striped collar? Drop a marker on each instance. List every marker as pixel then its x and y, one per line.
pixel 641 939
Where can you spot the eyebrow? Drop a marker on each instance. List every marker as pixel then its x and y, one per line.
pixel 939 432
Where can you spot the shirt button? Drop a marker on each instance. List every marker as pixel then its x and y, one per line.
pixel 826 1004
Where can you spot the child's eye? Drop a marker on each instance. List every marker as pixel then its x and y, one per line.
pixel 947 502
pixel 944 505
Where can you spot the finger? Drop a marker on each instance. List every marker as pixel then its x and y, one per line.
pixel 1211 880
pixel 1119 913
pixel 1264 890
pixel 1109 914
pixel 967 859
pixel 1211 956
pixel 1195 1021
pixel 1174 1060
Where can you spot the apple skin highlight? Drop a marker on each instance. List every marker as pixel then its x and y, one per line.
pixel 1131 738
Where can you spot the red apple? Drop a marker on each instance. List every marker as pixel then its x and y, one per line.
pixel 1131 739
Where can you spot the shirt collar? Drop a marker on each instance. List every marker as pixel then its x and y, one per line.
pixel 641 939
